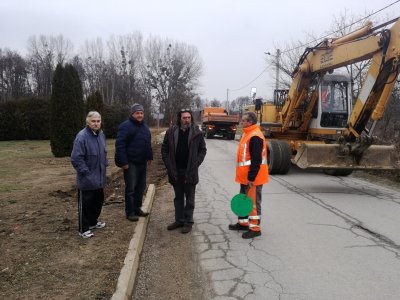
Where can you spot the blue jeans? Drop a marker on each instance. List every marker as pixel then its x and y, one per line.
pixel 135 184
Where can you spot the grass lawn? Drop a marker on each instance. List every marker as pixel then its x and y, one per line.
pixel 22 161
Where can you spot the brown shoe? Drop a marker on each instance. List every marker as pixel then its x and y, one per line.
pixel 174 225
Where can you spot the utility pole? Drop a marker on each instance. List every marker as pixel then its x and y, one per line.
pixel 277 65
pixel 227 100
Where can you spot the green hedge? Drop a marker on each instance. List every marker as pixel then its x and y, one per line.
pixel 25 119
pixel 112 117
pixel 29 119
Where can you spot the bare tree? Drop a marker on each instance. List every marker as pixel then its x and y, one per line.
pixel 171 71
pixel 215 103
pixel 239 103
pixel 13 76
pixel 126 57
pixel 44 53
pixel 95 71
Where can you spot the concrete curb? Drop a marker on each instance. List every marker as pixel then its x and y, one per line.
pixel 127 276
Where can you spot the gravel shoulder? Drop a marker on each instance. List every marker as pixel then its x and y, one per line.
pixel 169 267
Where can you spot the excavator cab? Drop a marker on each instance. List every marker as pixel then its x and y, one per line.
pixel 334 103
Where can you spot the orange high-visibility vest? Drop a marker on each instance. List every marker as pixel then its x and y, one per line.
pixel 243 159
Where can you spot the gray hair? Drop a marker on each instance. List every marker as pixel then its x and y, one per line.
pixel 251 117
pixel 92 114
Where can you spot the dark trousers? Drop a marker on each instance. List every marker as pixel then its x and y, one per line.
pixel 135 184
pixel 89 208
pixel 184 202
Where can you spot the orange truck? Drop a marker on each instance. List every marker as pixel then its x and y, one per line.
pixel 217 122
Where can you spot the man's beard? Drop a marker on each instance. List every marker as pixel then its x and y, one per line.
pixel 185 126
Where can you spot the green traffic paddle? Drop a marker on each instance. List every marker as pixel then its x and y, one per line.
pixel 241 205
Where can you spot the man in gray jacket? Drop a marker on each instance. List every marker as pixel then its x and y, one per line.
pixel 183 151
pixel 89 158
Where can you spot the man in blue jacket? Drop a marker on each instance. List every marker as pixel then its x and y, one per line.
pixel 89 158
pixel 133 153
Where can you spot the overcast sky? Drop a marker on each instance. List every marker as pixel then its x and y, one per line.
pixel 231 35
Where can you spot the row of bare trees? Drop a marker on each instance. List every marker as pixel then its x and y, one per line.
pixel 162 74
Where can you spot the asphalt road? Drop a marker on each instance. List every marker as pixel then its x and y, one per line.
pixel 323 237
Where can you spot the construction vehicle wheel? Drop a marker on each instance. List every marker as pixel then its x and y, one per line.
pixel 338 172
pixel 285 157
pixel 273 157
pixel 231 136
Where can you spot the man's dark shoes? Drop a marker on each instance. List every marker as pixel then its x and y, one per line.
pixel 141 213
pixel 237 226
pixel 132 218
pixel 174 225
pixel 186 228
pixel 251 234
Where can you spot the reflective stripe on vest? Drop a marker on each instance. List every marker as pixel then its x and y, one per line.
pixel 244 152
pixel 248 162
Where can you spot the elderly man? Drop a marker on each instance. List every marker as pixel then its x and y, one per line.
pixel 133 152
pixel 89 158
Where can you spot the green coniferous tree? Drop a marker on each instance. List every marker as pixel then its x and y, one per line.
pixel 67 110
pixel 95 102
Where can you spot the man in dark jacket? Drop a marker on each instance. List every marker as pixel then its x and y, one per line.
pixel 183 150
pixel 89 158
pixel 133 153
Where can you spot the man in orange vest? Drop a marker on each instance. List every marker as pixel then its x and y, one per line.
pixel 251 173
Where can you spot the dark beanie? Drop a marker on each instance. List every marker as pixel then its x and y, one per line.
pixel 136 107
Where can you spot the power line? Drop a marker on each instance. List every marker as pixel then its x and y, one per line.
pixel 321 38
pixel 339 30
pixel 258 76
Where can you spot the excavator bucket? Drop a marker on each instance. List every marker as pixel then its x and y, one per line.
pixel 328 156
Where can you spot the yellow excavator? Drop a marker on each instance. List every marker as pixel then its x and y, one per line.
pixel 314 124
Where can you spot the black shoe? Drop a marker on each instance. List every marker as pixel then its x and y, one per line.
pixel 174 225
pixel 186 228
pixel 133 218
pixel 237 226
pixel 251 234
pixel 141 213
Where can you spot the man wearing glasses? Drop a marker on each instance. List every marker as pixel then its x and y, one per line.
pixel 251 173
pixel 183 150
